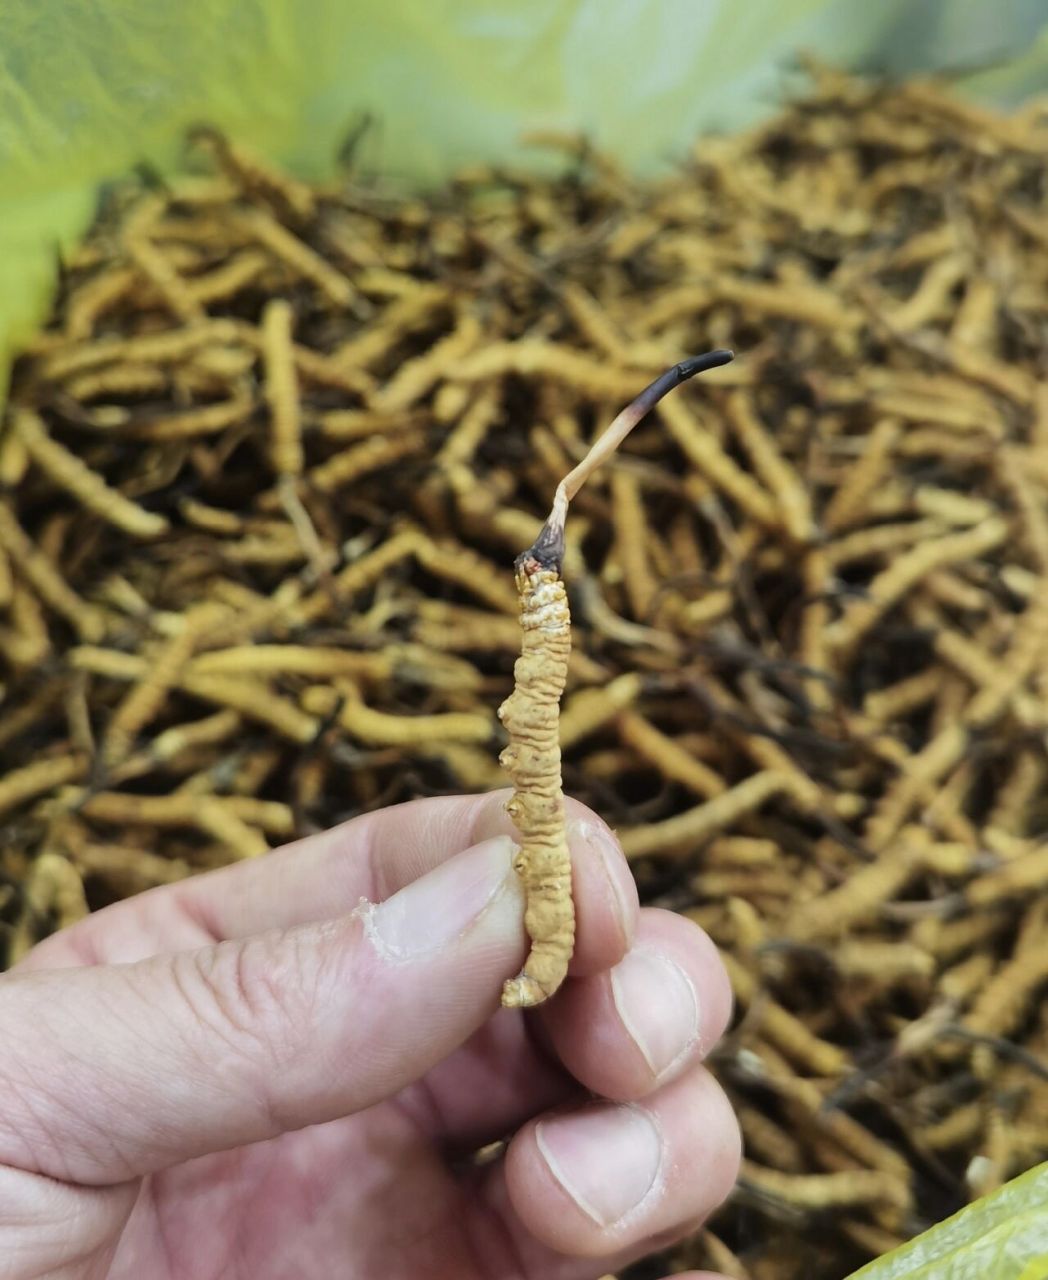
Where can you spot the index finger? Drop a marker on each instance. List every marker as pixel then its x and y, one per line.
pixel 324 876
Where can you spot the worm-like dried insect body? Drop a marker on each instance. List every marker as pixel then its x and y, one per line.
pixel 532 760
pixel 531 716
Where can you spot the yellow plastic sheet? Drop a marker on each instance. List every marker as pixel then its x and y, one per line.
pixel 1003 1236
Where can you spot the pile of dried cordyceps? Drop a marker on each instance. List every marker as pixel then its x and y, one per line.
pixel 265 474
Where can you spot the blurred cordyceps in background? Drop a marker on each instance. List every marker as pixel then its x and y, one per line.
pixel 265 474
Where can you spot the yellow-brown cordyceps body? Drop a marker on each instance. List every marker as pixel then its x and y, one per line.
pixel 532 760
pixel 531 715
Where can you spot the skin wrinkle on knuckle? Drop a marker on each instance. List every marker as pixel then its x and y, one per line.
pixel 57 1230
pixel 27 1128
pixel 257 997
pixel 78 941
pixel 46 1118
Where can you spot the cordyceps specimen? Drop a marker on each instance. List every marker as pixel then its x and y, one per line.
pixel 531 714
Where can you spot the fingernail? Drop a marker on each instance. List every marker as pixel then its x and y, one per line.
pixel 609 854
pixel 658 1006
pixel 606 1157
pixel 439 908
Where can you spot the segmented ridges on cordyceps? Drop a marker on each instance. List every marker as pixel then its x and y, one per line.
pixel 532 760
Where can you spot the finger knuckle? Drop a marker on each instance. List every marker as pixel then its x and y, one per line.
pixel 252 995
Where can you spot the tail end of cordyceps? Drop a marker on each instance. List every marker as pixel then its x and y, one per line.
pixel 523 992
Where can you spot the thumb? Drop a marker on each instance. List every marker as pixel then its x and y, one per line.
pixel 118 1070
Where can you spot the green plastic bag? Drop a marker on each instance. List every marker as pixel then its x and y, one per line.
pixel 1004 1236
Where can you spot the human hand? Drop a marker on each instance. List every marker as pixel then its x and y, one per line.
pixel 251 1073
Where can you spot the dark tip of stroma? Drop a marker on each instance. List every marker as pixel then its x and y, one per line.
pixel 547 550
pixel 676 374
pixel 699 364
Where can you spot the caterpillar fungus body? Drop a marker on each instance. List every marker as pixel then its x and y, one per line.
pixel 531 716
